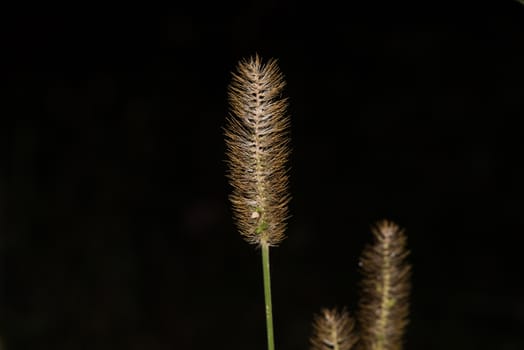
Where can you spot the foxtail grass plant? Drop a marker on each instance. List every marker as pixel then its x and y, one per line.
pixel 257 150
pixel 384 301
pixel 257 141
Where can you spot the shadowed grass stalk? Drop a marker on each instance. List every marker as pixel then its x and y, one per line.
pixel 384 304
pixel 257 141
pixel 333 330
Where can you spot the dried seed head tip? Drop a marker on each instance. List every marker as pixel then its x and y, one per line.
pixel 333 329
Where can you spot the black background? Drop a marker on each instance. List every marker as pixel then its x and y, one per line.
pixel 116 229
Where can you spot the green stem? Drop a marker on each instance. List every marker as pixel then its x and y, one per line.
pixel 267 296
